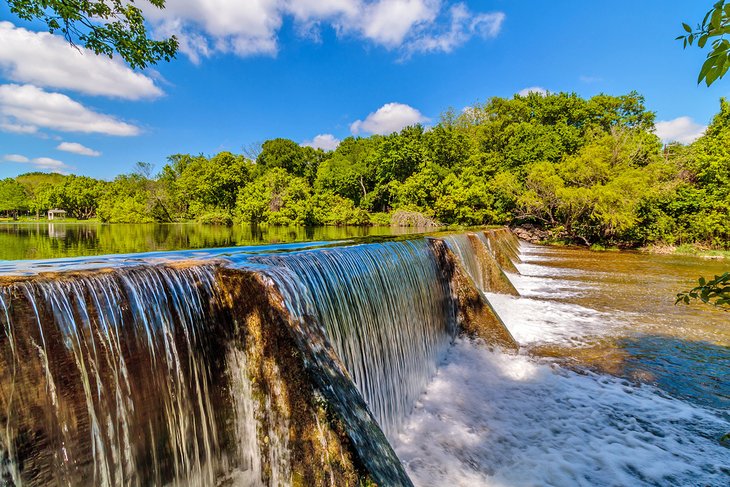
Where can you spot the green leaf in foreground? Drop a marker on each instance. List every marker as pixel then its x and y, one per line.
pixel 715 292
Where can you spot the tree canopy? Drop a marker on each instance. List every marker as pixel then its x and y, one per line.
pixel 103 26
pixel 713 28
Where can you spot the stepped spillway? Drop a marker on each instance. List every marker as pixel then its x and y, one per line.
pixel 260 366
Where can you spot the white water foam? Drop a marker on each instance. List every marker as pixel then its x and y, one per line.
pixel 491 419
pixel 539 321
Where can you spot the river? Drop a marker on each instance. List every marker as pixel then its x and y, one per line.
pixel 614 385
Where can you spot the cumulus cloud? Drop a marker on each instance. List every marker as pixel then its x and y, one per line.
pixel 205 27
pixel 463 26
pixel 42 163
pixel 533 89
pixel 47 60
pixel 681 129
pixel 76 148
pixel 326 142
pixel 15 158
pixel 26 108
pixel 387 119
pixel 388 22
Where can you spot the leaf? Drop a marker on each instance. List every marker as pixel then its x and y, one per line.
pixel 716 18
pixel 706 67
pixel 686 27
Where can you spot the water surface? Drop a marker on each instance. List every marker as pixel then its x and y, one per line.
pixel 59 240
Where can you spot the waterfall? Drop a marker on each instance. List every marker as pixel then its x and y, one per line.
pixel 386 311
pixel 118 378
pixel 237 368
pixel 91 353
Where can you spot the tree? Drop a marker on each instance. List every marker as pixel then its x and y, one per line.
pixel 713 28
pixel 277 198
pixel 78 195
pixel 13 197
pixel 290 156
pixel 127 199
pixel 103 26
pixel 209 184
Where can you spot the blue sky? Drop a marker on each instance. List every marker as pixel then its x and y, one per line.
pixel 299 69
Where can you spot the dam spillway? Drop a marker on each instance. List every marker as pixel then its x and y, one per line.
pixel 285 366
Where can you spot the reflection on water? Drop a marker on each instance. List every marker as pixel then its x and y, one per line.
pixel 57 240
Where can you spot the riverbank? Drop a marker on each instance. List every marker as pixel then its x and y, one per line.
pixel 536 235
pixel 688 249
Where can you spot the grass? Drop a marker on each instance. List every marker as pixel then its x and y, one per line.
pixel 602 248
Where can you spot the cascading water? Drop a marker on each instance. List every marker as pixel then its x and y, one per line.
pixel 473 252
pixel 118 379
pixel 386 310
pixel 240 367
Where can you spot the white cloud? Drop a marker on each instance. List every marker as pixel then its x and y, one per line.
pixel 17 128
pixel 43 163
pixel 48 163
pixel 681 129
pixel 26 108
pixel 387 22
pixel 305 10
pixel 533 89
pixel 15 158
pixel 325 142
pixel 205 27
pixel 389 118
pixel 76 148
pixel 47 60
pixel 464 25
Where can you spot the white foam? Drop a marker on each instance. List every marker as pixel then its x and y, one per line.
pixel 490 419
pixel 548 286
pixel 533 321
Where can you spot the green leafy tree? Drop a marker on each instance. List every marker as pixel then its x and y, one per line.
pixel 344 177
pixel 333 209
pixel 77 195
pixel 290 156
pixel 277 198
pixel 13 197
pixel 594 194
pixel 103 26
pixel 198 185
pixel 127 200
pixel 38 185
pixel 713 28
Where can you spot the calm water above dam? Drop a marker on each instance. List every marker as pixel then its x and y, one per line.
pixel 47 240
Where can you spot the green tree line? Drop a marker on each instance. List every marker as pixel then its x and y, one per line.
pixel 587 170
